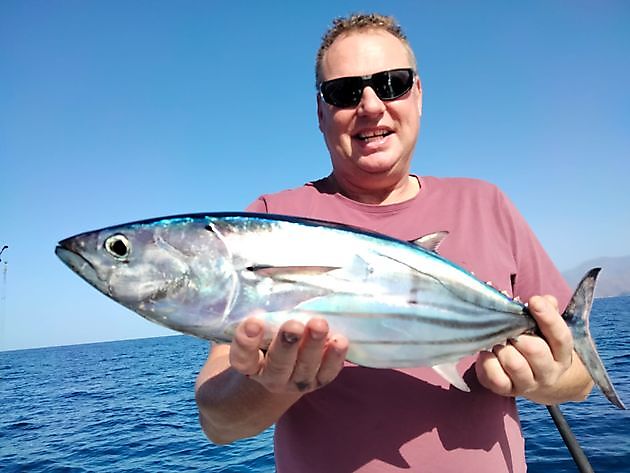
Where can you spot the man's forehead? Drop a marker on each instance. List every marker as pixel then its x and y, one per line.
pixel 364 52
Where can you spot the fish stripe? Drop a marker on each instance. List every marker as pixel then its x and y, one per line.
pixel 451 341
pixel 437 321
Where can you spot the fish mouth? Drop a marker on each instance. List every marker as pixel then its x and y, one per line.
pixel 77 263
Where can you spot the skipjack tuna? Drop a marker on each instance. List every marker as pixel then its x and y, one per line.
pixel 399 303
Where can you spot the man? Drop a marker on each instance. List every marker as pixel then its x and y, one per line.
pixel 330 417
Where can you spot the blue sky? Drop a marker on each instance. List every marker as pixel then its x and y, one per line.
pixel 112 111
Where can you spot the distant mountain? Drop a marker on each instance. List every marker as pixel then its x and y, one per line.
pixel 614 279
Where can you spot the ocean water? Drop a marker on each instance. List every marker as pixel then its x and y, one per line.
pixel 128 406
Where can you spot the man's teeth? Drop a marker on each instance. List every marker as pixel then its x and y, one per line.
pixel 375 135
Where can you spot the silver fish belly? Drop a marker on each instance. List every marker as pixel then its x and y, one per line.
pixel 399 304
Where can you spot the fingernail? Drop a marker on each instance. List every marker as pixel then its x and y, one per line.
pixel 290 338
pixel 317 335
pixel 252 329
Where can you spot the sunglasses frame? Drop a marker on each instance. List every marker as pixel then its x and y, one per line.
pixel 366 81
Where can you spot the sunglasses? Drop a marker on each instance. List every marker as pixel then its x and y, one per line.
pixel 346 92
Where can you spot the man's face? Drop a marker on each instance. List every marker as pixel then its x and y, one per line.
pixel 373 141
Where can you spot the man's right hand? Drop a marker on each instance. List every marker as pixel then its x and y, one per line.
pixel 241 390
pixel 300 358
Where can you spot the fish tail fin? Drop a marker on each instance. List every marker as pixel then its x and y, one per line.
pixel 576 316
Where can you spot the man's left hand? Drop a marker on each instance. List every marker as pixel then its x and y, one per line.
pixel 545 370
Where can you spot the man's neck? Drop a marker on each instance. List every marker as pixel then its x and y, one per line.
pixel 405 189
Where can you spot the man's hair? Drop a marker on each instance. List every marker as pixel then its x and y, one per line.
pixel 359 22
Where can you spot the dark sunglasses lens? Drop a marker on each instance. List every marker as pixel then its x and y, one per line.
pixel 346 92
pixel 343 92
pixel 390 85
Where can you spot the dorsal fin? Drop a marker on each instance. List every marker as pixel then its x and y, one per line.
pixel 432 241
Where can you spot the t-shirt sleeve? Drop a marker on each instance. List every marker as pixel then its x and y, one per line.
pixel 536 273
pixel 259 205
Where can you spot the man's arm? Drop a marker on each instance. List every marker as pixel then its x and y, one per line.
pixel 547 371
pixel 241 391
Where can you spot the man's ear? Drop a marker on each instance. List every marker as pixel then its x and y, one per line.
pixel 419 86
pixel 320 113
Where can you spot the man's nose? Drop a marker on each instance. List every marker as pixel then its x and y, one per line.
pixel 370 104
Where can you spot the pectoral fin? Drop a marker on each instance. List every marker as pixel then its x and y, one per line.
pixel 290 273
pixel 450 374
pixel 358 268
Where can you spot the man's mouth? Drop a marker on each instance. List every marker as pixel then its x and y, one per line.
pixel 372 135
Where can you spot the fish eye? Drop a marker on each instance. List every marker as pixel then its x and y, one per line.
pixel 118 246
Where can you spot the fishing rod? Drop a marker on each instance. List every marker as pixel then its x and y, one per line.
pixel 3 295
pixel 579 457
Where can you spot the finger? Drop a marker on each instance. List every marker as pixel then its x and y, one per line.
pixel 517 368
pixel 552 326
pixel 245 356
pixel 333 360
pixel 282 355
pixel 310 354
pixel 538 355
pixel 491 374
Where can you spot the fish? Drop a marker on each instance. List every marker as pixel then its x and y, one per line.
pixel 399 303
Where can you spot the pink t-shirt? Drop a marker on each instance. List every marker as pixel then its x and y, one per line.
pixel 379 420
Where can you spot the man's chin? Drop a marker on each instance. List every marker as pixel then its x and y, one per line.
pixel 382 163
